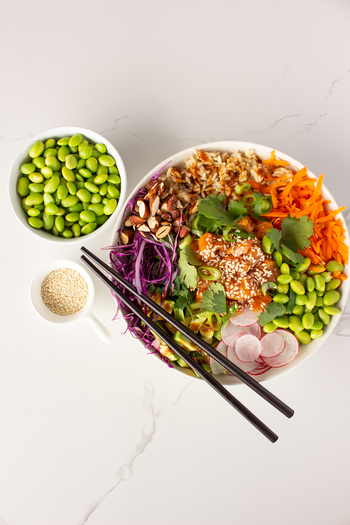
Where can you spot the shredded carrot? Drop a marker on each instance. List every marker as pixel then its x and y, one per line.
pixel 342 277
pixel 336 273
pixel 272 161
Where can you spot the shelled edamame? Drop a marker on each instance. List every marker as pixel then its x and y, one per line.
pixel 307 298
pixel 69 186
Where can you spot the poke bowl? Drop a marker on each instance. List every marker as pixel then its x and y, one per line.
pixel 66 183
pixel 255 246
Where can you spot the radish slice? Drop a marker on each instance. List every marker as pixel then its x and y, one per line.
pixel 260 360
pixel 289 352
pixel 247 348
pixel 246 367
pixel 215 367
pixel 230 331
pixel 259 371
pixel 246 318
pixel 272 345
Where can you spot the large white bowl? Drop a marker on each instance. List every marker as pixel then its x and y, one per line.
pixel 23 156
pixel 178 159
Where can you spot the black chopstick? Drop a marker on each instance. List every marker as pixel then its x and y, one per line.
pixel 245 378
pixel 245 412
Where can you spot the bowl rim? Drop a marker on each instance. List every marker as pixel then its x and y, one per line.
pixel 243 146
pixel 15 200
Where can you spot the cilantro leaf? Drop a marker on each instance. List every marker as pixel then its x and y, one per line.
pixel 296 233
pixel 187 273
pixel 272 310
pixel 237 209
pixel 217 287
pixel 191 258
pixel 274 236
pixel 214 302
pixel 180 303
pixel 211 208
pixel 207 224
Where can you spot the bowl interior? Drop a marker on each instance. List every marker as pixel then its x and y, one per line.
pixel 264 151
pixel 23 155
pixel 36 299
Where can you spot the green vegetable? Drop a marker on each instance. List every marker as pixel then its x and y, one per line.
pixel 267 245
pixel 242 188
pixel 268 286
pixel 214 299
pixel 303 337
pixel 187 272
pixel 280 298
pixel 331 298
pixel 208 272
pixel 295 234
pixel 272 311
pixel 333 266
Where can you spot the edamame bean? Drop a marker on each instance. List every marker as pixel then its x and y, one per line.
pixel 331 298
pixel 88 228
pixel 97 209
pixel 72 217
pixel 304 265
pixel 36 177
pixel 319 301
pixel 50 152
pixel 27 168
pixel 114 179
pixel 303 337
pixel 85 153
pixel 87 216
pixel 71 162
pixel 308 321
pixel 76 229
pixel 68 174
pixel 63 141
pixel 311 300
pixel 71 200
pixel 283 288
pixel 39 162
pixel 113 170
pixel 333 266
pixel 81 223
pixel 82 144
pixel 111 206
pixel 62 153
pixel 297 287
pixel 106 160
pixel 96 198
pixel 284 268
pixel 48 198
pixel 298 310
pixel 51 209
pixel 113 192
pixel 39 206
pixel 48 221
pixel 46 172
pixel 77 208
pixel 100 179
pixel 50 143
pixel 302 279
pixel 277 257
pixel 33 212
pixel 84 195
pixel 72 188
pixel 320 285
pixel 52 184
pixel 301 300
pixel 75 140
pixel 67 234
pixel 317 325
pixel 269 327
pixel 103 191
pixel 310 284
pixel 102 170
pixel 331 310
pixel 33 199
pixel 101 219
pixel 23 187
pixel 278 298
pixel 101 148
pixel 295 323
pixel 62 191
pixel 324 316
pixel 34 222
pixel 59 223
pixel 281 322
pixel 35 151
pixel 315 334
pixel 92 188
pixel 284 279
pixel 85 173
pixel 326 276
pixel 295 274
pixel 24 205
pixel 333 284
pixel 266 244
pixel 92 164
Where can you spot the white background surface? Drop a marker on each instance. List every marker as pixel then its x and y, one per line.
pixel 106 435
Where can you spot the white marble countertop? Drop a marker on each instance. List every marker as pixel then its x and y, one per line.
pixel 104 434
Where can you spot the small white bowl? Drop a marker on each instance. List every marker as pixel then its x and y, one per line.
pixel 23 156
pixel 85 314
pixel 264 151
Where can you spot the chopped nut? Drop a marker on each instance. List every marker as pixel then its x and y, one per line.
pixel 166 217
pixel 128 222
pixel 153 223
pixel 193 207
pixel 163 231
pixel 154 204
pixel 137 221
pixel 143 210
pixel 172 203
pixel 126 236
pixel 184 230
pixel 175 214
pixel 143 228
pixel 166 223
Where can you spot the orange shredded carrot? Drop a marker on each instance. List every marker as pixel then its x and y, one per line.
pixel 331 214
pixel 336 273
pixel 342 277
pixel 272 161
pixel 297 177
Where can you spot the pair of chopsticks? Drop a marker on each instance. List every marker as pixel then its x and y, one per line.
pixel 206 376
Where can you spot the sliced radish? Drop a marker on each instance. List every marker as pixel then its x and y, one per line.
pixel 289 352
pixel 230 331
pixel 215 367
pixel 246 367
pixel 247 348
pixel 259 371
pixel 272 344
pixel 246 318
pixel 260 360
